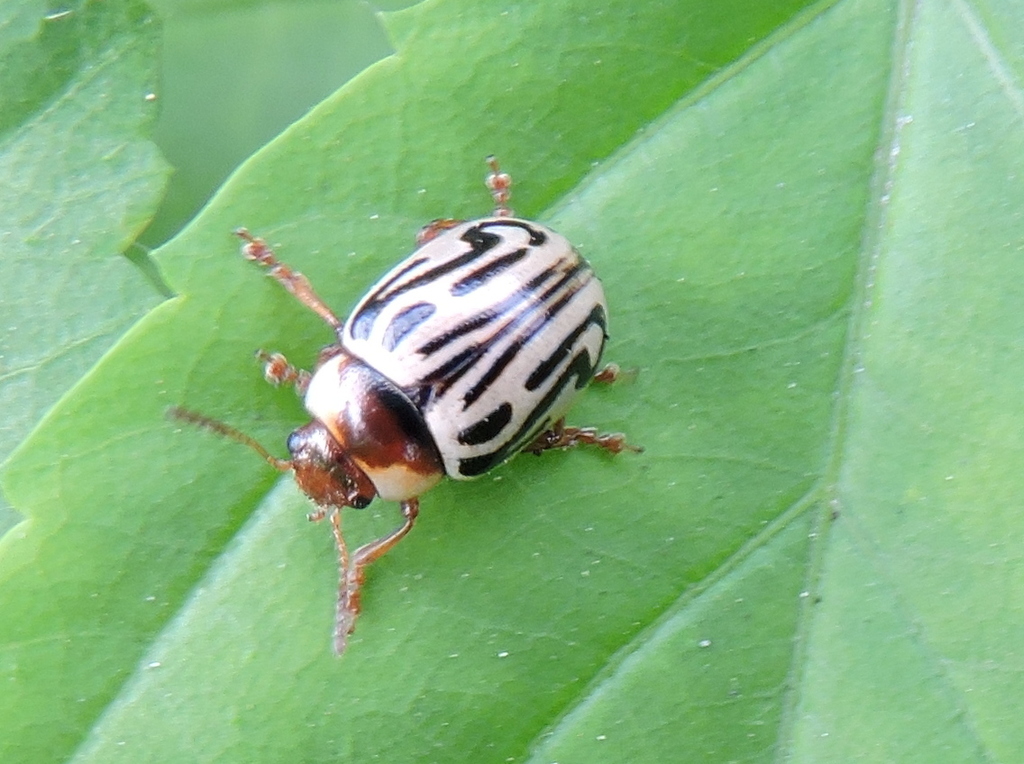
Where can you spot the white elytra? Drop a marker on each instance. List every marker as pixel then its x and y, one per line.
pixel 490 329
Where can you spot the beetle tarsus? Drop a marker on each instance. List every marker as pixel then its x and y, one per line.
pixel 345 617
pixel 608 374
pixel 500 185
pixel 614 373
pixel 277 371
pixel 435 228
pixel 562 437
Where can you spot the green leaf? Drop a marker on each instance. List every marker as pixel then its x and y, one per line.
pixel 80 179
pixel 805 224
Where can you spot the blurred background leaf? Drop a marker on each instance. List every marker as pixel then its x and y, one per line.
pixel 79 181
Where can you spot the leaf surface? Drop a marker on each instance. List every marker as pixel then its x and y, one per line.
pixel 804 220
pixel 79 179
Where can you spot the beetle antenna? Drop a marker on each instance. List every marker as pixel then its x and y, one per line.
pixel 227 431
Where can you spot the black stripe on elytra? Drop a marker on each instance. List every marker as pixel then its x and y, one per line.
pixel 361 323
pixel 451 371
pixel 487 428
pixel 406 321
pixel 568 289
pixel 581 367
pixel 547 367
pixel 480 319
pixel 521 295
pixel 479 241
pixel 479 277
pixel 536 237
pixel 436 383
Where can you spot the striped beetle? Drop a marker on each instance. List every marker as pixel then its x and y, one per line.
pixel 466 353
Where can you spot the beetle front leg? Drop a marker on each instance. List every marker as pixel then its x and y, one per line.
pixel 277 371
pixel 257 250
pixel 562 437
pixel 353 570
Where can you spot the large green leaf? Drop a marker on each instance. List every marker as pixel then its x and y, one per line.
pixel 811 257
pixel 78 179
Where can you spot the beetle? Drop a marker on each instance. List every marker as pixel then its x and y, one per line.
pixel 467 352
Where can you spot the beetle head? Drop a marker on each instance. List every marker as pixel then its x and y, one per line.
pixel 323 470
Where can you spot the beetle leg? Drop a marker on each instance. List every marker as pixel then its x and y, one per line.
pixel 353 572
pixel 500 185
pixel 560 436
pixel 608 374
pixel 615 373
pixel 256 249
pixel 277 371
pixel 434 228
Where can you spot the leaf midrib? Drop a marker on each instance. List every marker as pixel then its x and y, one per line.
pixel 832 455
pixel 876 223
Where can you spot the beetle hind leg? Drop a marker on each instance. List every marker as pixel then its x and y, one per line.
pixel 562 437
